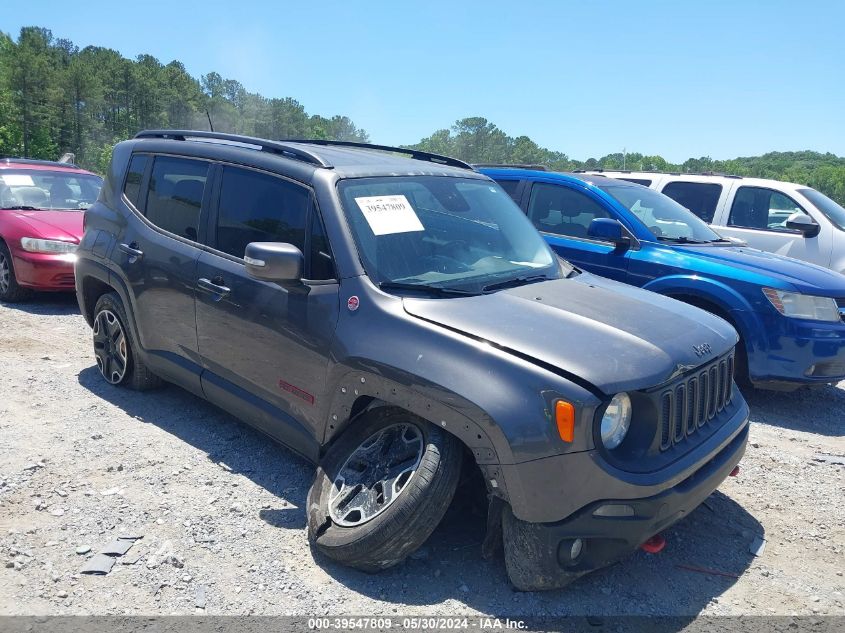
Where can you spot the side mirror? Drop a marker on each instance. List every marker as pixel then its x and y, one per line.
pixel 800 221
pixel 273 261
pixel 608 230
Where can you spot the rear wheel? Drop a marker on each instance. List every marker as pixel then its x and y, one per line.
pixel 382 489
pixel 115 349
pixel 10 290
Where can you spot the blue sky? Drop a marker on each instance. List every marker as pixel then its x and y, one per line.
pixel 678 78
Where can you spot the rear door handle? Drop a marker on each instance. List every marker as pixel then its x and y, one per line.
pixel 217 289
pixel 129 249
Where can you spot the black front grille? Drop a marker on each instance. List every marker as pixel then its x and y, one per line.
pixel 690 402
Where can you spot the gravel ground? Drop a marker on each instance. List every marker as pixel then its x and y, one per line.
pixel 221 511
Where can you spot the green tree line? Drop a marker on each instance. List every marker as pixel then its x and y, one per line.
pixel 476 140
pixel 57 98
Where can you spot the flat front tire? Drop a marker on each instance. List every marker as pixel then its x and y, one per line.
pixel 382 489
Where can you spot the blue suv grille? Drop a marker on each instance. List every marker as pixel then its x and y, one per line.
pixel 690 402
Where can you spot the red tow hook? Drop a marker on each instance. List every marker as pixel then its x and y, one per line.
pixel 654 545
pixel 735 471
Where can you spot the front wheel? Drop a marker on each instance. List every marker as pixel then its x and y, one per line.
pixel 10 290
pixel 382 489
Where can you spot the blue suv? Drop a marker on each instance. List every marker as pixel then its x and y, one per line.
pixel 789 313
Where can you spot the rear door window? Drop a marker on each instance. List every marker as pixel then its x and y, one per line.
pixel 174 199
pixel 763 209
pixel 563 211
pixel 699 197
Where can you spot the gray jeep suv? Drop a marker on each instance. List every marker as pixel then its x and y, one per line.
pixel 398 321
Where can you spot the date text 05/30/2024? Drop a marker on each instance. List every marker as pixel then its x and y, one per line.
pixel 420 623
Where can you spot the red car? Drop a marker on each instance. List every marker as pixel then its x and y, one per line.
pixel 41 209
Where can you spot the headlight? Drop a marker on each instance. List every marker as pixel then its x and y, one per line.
pixel 35 245
pixel 794 304
pixel 616 420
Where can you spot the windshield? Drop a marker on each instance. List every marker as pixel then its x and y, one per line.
pixel 664 217
pixel 42 189
pixel 833 211
pixel 431 231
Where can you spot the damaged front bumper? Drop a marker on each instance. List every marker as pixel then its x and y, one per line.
pixel 546 555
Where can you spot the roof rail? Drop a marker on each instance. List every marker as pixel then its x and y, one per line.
pixel 601 169
pixel 718 173
pixel 657 171
pixel 272 147
pixel 8 160
pixel 413 153
pixel 503 166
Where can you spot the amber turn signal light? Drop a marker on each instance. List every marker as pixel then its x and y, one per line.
pixel 565 418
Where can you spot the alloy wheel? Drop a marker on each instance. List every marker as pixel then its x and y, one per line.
pixel 110 346
pixel 376 473
pixel 5 275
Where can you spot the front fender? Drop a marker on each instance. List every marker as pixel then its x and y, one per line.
pixel 723 295
pixel 728 301
pixel 426 401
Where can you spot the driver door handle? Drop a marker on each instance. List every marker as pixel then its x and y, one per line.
pixel 131 250
pixel 214 286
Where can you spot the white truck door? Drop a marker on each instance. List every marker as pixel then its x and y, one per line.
pixel 758 215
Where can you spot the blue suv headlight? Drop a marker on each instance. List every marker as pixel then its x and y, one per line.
pixel 800 306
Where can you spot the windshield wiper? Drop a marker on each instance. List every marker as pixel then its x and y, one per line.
pixel 434 290
pixel 681 240
pixel 21 207
pixel 514 281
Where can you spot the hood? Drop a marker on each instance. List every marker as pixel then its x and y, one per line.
pixel 767 269
pixel 614 336
pixel 58 225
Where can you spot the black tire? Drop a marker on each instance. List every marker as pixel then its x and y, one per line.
pixel 402 525
pixel 110 320
pixel 10 290
pixel 529 565
pixel 741 376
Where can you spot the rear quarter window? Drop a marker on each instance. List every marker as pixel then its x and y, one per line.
pixel 134 176
pixel 511 188
pixel 699 197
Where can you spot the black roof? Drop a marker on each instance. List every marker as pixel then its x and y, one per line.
pixel 347 159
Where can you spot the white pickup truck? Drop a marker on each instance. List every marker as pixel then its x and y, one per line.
pixel 774 216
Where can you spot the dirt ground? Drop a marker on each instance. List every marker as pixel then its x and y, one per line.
pixel 221 511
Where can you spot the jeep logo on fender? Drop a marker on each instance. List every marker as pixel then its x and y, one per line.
pixel 703 349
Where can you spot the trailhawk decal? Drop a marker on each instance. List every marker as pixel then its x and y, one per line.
pixel 299 393
pixel 389 214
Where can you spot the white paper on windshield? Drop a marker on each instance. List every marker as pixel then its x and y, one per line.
pixel 389 214
pixel 18 180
